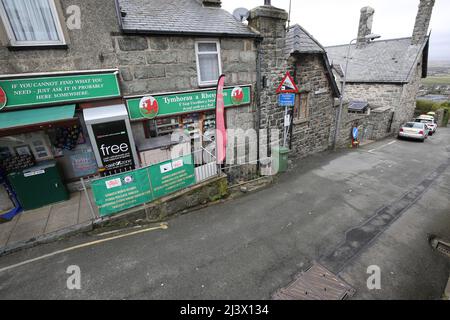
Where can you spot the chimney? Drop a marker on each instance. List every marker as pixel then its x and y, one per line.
pixel 422 21
pixel 212 3
pixel 365 24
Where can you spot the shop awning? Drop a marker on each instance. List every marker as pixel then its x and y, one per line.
pixel 35 117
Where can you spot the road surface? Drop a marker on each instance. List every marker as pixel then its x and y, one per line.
pixel 348 211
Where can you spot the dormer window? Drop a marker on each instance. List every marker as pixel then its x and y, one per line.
pixel 31 22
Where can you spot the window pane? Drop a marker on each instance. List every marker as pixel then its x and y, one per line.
pixel 31 20
pixel 209 67
pixel 207 47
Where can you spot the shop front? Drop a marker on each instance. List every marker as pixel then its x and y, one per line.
pixel 182 120
pixel 45 142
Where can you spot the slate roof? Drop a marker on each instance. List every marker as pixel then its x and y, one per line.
pixel 390 61
pixel 299 40
pixel 179 17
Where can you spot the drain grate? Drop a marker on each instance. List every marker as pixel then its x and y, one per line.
pixel 316 284
pixel 440 246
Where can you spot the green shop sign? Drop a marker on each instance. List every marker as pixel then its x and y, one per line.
pixel 26 92
pixel 163 105
pixel 121 192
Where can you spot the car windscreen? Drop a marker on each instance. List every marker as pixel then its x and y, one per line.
pixel 424 121
pixel 415 125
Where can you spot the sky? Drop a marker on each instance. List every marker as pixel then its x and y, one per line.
pixel 334 22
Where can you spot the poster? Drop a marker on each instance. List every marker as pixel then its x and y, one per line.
pixel 114 146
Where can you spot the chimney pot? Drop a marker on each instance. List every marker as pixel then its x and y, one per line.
pixel 365 24
pixel 423 20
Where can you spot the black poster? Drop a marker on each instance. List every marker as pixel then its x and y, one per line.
pixel 114 146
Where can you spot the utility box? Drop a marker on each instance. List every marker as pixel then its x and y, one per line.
pixel 280 159
pixel 39 186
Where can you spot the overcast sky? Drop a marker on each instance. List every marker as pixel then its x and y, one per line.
pixel 334 22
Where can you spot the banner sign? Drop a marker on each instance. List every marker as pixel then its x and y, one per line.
pixel 172 176
pixel 114 146
pixel 26 92
pixel 120 192
pixel 163 105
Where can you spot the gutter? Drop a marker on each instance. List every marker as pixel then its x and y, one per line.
pixel 190 34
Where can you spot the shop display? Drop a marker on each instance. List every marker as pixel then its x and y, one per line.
pixel 167 126
pixel 67 138
pixel 23 151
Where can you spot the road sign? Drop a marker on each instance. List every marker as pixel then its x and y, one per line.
pixel 355 133
pixel 287 85
pixel 286 100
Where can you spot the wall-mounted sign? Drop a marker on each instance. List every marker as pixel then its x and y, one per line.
pixel 124 191
pixel 286 100
pixel 163 105
pixel 114 146
pixel 287 85
pixel 26 92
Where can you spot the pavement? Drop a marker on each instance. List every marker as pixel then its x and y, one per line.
pixel 374 206
pixel 56 219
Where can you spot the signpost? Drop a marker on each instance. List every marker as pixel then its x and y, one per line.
pixel 287 91
pixel 24 92
pixel 163 105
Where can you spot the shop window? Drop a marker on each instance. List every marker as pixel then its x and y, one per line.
pixel 301 111
pixel 31 22
pixel 209 66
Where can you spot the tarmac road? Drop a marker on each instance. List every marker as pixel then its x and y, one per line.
pixel 347 211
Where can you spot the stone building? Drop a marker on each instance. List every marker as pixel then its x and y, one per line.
pixel 296 51
pixel 384 74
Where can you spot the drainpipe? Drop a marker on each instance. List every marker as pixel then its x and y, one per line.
pixel 259 55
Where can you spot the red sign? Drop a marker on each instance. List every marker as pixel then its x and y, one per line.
pixel 3 98
pixel 149 107
pixel 287 85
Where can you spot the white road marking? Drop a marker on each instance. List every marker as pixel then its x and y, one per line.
pixel 162 226
pixel 381 147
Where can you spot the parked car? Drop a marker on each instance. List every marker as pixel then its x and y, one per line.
pixel 429 121
pixel 414 130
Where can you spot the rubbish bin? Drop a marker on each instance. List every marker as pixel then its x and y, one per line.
pixel 280 157
pixel 38 186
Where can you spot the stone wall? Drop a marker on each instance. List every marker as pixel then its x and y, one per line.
pixel 407 106
pixel 312 135
pixel 271 23
pixel 153 64
pixel 89 48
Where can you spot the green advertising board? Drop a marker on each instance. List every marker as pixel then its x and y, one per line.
pixel 172 176
pixel 26 92
pixel 121 192
pixel 163 105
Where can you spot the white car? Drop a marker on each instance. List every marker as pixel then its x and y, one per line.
pixel 414 130
pixel 429 121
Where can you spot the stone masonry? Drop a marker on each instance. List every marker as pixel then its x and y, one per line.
pixel 312 134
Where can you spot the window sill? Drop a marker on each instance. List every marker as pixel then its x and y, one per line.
pixel 39 47
pixel 301 121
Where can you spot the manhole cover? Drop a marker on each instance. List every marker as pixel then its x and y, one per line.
pixel 316 284
pixel 441 246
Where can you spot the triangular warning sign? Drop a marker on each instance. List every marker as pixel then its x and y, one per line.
pixel 287 85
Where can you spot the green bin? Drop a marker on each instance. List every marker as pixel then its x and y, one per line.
pixel 280 158
pixel 39 186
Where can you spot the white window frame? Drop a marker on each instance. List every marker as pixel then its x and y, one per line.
pixel 219 57
pixel 12 39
